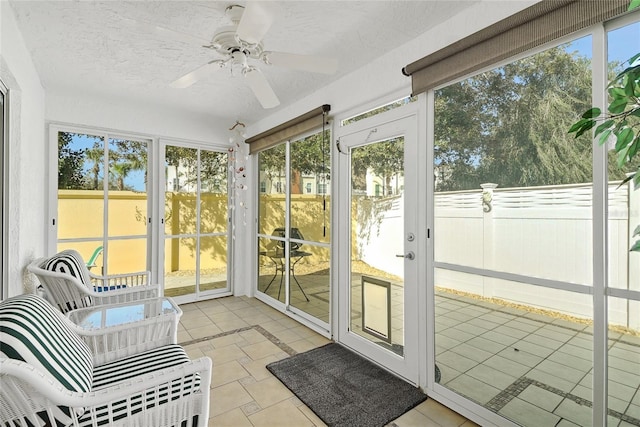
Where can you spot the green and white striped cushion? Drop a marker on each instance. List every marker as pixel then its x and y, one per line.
pixel 131 367
pixel 70 262
pixel 32 331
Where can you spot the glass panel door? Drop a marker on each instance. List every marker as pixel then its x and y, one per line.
pixel 195 223
pixel 293 226
pixel 382 290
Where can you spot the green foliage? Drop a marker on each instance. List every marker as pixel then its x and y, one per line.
pixel 620 125
pixel 213 167
pixel 308 156
pixel 70 163
pixel 508 125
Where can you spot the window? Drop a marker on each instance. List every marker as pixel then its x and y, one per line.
pixel 102 200
pixel 378 110
pixel 513 248
pixel 263 187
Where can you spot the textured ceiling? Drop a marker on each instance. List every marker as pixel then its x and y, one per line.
pixel 134 50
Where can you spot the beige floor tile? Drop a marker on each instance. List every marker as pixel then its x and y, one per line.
pixel 204 331
pixel 319 340
pixel 284 414
pixel 257 318
pixel 288 322
pixel 252 336
pixel 274 326
pixel 231 325
pixel 233 418
pixel 228 340
pixel 303 345
pixel 190 314
pixel 309 414
pixel 194 352
pixel 195 322
pixel 184 336
pixel 226 354
pixel 268 392
pixel 234 304
pixel 287 336
pixel 261 350
pixel 257 368
pixel 227 397
pixel 227 372
pixel 224 316
pixel 304 332
pixel 443 415
pixel 188 307
pixel 415 418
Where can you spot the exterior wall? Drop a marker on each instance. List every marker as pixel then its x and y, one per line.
pixel 127 217
pixel 27 154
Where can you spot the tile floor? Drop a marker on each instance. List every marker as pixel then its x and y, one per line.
pixel 531 368
pixel 242 335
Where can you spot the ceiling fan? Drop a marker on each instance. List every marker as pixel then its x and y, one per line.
pixel 239 46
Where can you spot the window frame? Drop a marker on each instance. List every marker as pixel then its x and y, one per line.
pixel 4 189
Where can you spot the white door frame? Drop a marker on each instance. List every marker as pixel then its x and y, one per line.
pixel 400 121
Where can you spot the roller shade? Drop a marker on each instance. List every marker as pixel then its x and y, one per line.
pixel 531 27
pixel 294 127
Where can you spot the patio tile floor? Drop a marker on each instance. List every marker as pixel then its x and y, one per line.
pixel 541 364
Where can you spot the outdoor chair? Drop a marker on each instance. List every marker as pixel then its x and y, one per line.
pixel 49 374
pixel 69 285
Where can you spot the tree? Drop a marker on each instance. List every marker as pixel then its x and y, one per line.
pixel 507 125
pixel 620 126
pixel 70 161
pixel 125 156
pixel 310 156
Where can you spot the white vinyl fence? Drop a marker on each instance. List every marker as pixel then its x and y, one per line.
pixel 543 232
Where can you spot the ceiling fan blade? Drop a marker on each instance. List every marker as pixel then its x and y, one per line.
pixel 261 88
pixel 195 75
pixel 161 33
pixel 256 21
pixel 314 64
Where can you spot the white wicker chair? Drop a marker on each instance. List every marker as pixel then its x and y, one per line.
pixel 69 285
pixel 48 375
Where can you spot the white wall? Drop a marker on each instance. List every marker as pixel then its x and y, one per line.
pixel 135 116
pixel 26 152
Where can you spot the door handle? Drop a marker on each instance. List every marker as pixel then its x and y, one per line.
pixel 409 255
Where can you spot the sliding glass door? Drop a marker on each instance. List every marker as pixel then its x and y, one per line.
pixel 196 222
pixel 294 206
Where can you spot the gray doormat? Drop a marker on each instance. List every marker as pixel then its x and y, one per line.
pixel 344 389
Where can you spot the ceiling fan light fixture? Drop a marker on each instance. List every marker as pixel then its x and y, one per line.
pixel 241 42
